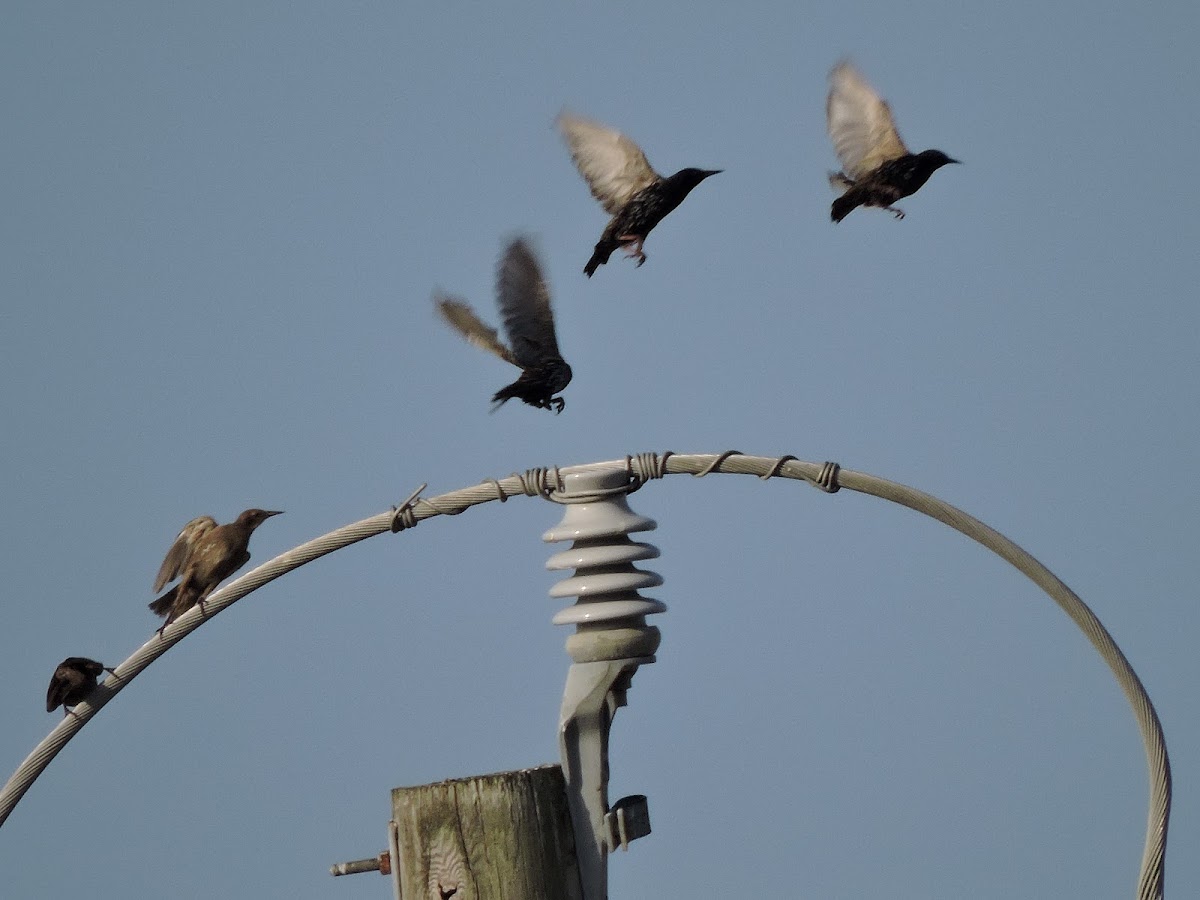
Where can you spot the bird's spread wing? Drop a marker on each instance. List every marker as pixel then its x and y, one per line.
pixel 614 167
pixel 181 549
pixel 860 123
pixel 462 319
pixel 524 302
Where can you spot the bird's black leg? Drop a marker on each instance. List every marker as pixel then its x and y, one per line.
pixel 632 245
pixel 558 404
pixel 898 213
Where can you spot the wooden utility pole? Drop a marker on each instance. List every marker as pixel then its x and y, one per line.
pixel 491 837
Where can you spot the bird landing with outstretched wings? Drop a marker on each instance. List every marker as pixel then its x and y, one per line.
pixel 528 319
pixel 621 178
pixel 877 168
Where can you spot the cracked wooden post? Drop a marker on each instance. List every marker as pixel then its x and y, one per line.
pixel 486 838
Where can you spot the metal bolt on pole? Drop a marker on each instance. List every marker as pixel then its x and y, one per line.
pixel 611 640
pixel 381 864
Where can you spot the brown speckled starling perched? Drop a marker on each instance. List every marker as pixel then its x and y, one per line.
pixel 209 556
pixel 877 169
pixel 620 177
pixel 71 683
pixel 524 302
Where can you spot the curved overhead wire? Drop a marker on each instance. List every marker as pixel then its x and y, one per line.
pixel 639 469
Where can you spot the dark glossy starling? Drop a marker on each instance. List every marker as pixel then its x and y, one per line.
pixel 209 557
pixel 877 169
pixel 180 550
pixel 524 302
pixel 620 177
pixel 71 683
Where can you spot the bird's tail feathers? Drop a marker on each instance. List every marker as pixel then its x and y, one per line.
pixel 163 604
pixel 599 258
pixel 844 204
pixel 518 390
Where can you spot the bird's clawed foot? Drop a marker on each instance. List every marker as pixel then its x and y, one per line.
pixel 898 213
pixel 632 245
pixel 558 404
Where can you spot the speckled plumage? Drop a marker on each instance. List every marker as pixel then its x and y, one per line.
pixel 180 550
pixel 621 178
pixel 877 168
pixel 209 557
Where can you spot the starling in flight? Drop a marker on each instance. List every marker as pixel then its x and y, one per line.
pixel 620 177
pixel 71 683
pixel 877 169
pixel 524 302
pixel 202 557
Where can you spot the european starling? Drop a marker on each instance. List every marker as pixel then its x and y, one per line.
pixel 180 550
pixel 209 556
pixel 620 177
pixel 71 683
pixel 524 302
pixel 877 169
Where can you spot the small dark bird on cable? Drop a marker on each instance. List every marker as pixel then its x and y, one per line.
pixel 620 177
pixel 209 556
pixel 524 302
pixel 877 169
pixel 72 682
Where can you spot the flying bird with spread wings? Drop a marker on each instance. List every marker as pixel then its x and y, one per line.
pixel 620 177
pixel 528 318
pixel 877 169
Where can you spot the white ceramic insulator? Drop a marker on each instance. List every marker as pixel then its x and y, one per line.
pixel 605 582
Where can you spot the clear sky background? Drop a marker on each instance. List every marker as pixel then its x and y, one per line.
pixel 220 228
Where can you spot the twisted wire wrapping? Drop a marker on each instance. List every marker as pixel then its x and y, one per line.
pixel 715 464
pixel 774 470
pixel 640 468
pixel 643 467
pixel 500 495
pixel 536 482
pixel 827 480
pixel 402 515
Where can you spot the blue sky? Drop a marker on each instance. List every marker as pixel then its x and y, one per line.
pixel 221 228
